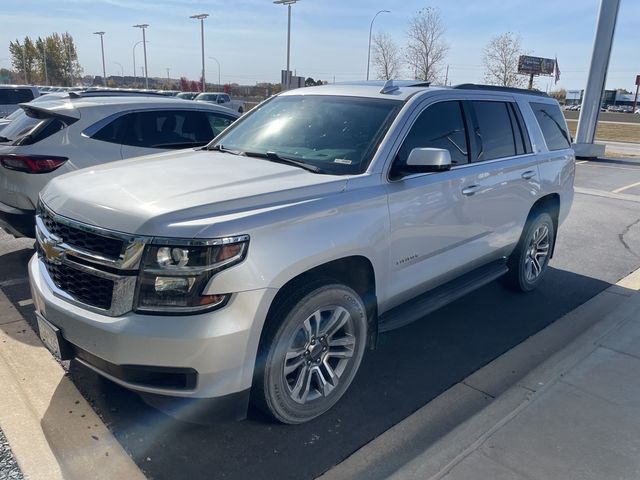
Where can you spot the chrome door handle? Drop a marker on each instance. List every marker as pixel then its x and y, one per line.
pixel 470 190
pixel 528 175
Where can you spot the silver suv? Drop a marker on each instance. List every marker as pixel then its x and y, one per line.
pixel 268 261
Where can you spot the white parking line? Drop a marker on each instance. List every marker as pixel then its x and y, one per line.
pixel 14 281
pixel 622 189
pixel 581 162
pixel 24 303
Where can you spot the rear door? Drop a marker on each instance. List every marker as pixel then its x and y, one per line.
pixel 503 176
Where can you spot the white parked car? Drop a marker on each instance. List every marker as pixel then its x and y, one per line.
pixel 75 131
pixel 222 99
pixel 12 95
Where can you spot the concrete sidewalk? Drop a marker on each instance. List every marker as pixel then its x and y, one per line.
pixel 576 416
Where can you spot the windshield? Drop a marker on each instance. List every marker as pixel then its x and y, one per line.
pixel 339 135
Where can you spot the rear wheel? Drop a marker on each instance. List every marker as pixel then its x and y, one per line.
pixel 311 358
pixel 529 261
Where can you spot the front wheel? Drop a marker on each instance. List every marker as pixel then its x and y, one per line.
pixel 529 260
pixel 314 354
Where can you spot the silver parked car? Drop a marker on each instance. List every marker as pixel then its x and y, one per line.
pixel 12 95
pixel 268 261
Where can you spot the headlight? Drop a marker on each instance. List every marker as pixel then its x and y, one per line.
pixel 173 277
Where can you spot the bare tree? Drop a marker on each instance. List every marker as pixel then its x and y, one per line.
pixel 500 61
pixel 426 47
pixel 386 56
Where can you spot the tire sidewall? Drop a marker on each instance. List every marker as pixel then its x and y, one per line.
pixel 539 220
pixel 276 394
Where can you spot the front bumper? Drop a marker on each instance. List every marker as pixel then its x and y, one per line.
pixel 219 346
pixel 18 222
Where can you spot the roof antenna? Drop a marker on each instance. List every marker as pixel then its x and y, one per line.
pixel 389 87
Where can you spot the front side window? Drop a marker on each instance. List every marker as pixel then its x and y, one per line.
pixel 441 125
pixel 332 134
pixel 553 125
pixel 495 137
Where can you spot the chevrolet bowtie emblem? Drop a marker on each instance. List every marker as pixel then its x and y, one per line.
pixel 52 251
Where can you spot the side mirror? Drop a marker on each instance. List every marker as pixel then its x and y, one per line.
pixel 428 160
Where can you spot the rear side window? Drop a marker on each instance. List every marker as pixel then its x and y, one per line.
pixel 15 95
pixel 164 129
pixel 20 126
pixel 440 126
pixel 497 134
pixel 553 125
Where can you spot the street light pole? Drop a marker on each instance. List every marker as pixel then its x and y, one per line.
pixel 121 71
pixel 143 26
pixel 288 3
pixel 370 30
pixel 104 70
pixel 216 60
pixel 44 54
pixel 201 17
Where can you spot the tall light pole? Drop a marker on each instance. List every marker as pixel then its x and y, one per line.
pixel 288 3
pixel 216 60
pixel 370 30
pixel 143 26
pixel 135 73
pixel 201 17
pixel 104 70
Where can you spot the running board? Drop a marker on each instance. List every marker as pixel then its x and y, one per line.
pixel 438 297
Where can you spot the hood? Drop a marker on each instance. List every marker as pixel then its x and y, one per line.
pixel 181 194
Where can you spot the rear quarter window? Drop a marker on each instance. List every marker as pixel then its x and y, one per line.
pixel 552 124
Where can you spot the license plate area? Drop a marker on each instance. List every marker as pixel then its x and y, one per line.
pixel 53 340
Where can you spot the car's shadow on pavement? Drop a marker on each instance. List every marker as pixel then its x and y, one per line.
pixel 411 366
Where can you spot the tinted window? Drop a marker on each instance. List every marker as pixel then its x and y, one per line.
pixel 495 136
pixel 171 129
pixel 219 122
pixel 439 126
pixel 553 125
pixel 15 95
pixel 44 130
pixel 20 126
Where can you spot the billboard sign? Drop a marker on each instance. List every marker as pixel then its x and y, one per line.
pixel 536 65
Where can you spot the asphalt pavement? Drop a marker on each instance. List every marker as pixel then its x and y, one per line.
pixel 596 247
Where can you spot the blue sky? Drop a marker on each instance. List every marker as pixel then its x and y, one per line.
pixel 329 37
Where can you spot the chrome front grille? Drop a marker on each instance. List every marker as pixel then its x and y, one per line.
pixel 86 288
pixel 86 265
pixel 91 242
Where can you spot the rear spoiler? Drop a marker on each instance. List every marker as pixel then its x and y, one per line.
pixel 68 115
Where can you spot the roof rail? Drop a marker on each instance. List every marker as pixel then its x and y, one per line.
pixel 113 93
pixel 497 88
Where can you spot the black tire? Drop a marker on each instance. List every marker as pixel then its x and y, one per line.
pixel 525 274
pixel 241 110
pixel 275 391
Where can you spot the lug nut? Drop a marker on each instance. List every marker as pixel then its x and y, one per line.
pixel 308 362
pixel 324 349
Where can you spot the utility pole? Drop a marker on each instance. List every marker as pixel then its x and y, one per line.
pixel 44 54
pixel 104 70
pixel 635 99
pixel 446 76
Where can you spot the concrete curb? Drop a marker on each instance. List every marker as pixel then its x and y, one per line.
pixel 448 427
pixel 437 460
pixel 53 431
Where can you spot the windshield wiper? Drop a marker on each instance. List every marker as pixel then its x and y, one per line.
pixel 274 157
pixel 220 148
pixel 4 139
